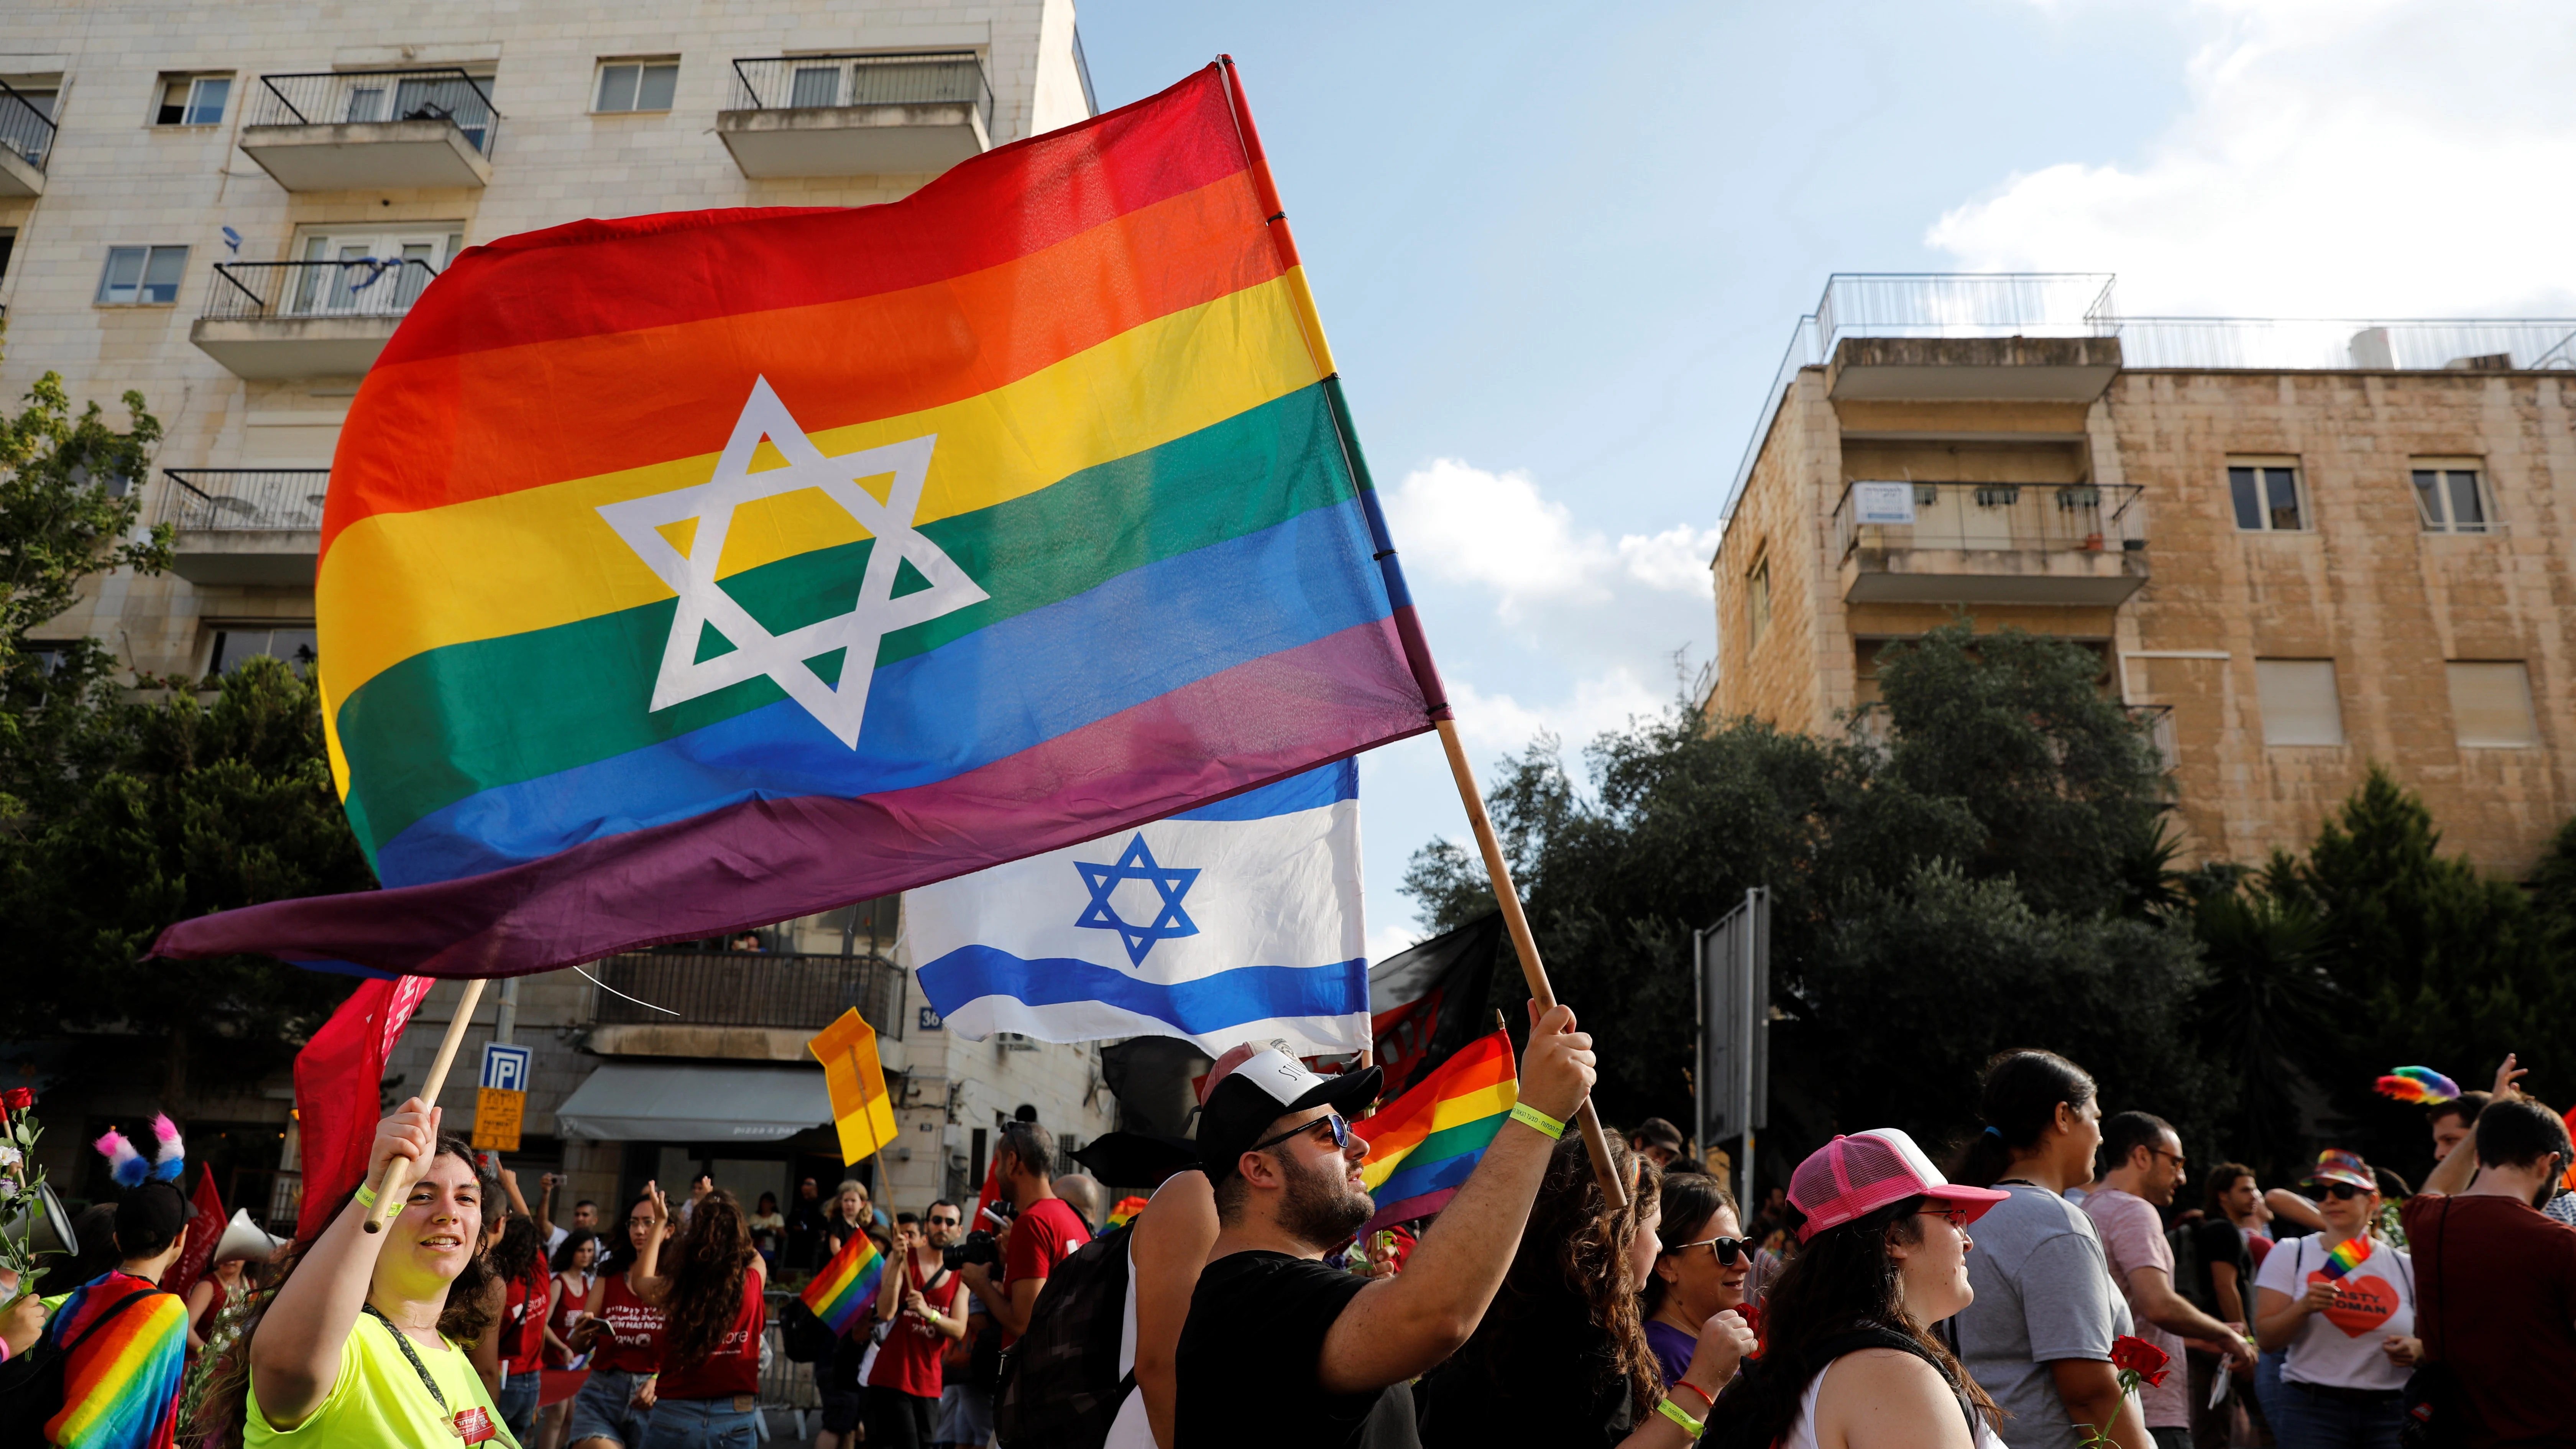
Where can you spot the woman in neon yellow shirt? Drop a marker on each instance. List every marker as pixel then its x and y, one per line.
pixel 363 1343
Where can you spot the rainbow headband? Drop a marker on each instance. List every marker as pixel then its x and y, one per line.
pixel 2421 1085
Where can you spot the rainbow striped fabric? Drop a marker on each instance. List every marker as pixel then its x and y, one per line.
pixel 121 1384
pixel 2347 1255
pixel 681 573
pixel 847 1286
pixel 1423 1144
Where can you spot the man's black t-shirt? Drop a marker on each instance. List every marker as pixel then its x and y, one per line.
pixel 1250 1353
pixel 2215 1241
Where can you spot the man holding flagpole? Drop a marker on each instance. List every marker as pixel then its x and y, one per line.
pixel 1281 1350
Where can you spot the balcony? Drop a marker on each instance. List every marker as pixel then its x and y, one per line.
pixel 759 1006
pixel 277 320
pixel 2077 544
pixel 371 130
pixel 26 139
pixel 244 525
pixel 857 115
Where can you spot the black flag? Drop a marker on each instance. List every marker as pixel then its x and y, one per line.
pixel 1427 1002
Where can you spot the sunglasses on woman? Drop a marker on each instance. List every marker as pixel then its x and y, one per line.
pixel 2343 1191
pixel 1725 1250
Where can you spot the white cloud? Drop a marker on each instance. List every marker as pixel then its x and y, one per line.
pixel 1462 524
pixel 1495 725
pixel 2336 158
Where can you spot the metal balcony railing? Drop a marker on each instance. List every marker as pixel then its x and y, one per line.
pixel 359 287
pixel 789 82
pixel 748 988
pixel 341 97
pixel 25 126
pixel 2033 516
pixel 264 500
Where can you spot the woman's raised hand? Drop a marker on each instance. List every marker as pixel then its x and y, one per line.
pixel 1723 1342
pixel 409 1132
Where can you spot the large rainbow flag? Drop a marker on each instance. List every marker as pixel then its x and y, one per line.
pixel 683 573
pixel 847 1286
pixel 1423 1144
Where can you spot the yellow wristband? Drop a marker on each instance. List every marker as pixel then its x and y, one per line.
pixel 1537 1121
pixel 1673 1411
pixel 366 1197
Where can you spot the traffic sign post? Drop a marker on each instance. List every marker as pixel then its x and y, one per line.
pixel 505 1068
pixel 501 1101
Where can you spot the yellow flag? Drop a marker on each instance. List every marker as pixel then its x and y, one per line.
pixel 860 1109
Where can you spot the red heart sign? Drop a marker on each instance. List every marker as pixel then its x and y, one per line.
pixel 2361 1305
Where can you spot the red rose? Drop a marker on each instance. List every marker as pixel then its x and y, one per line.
pixel 2142 1358
pixel 18 1099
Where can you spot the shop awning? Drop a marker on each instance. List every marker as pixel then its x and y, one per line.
pixel 626 1102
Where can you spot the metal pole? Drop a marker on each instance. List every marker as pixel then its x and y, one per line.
pixel 1744 1057
pixel 505 1013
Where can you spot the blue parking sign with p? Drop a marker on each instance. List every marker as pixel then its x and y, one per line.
pixel 505 1068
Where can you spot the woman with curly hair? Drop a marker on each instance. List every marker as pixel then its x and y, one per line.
pixel 712 1315
pixel 1561 1357
pixel 363 1339
pixel 1848 1357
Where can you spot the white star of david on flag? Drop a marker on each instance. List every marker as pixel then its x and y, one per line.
pixel 875 611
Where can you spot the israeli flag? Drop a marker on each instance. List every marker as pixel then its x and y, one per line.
pixel 1235 921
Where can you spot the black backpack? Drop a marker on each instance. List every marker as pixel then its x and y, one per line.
pixel 1730 1424
pixel 31 1385
pixel 1060 1386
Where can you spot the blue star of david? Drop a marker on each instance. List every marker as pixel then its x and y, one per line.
pixel 1137 863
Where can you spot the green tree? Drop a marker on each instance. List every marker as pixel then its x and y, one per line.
pixel 68 509
pixel 192 807
pixel 2270 1014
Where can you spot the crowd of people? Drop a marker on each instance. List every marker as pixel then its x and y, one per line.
pixel 2058 1285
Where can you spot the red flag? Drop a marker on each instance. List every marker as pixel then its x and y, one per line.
pixel 992 1191
pixel 338 1077
pixel 204 1230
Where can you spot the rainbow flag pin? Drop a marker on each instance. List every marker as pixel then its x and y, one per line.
pixel 847 1286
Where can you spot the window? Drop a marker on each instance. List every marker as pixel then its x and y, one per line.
pixel 8 240
pixel 2491 705
pixel 142 276
pixel 356 287
pixel 237 644
pixel 1757 601
pixel 2450 498
pixel 193 100
pixel 637 85
pixel 2299 702
pixel 2266 495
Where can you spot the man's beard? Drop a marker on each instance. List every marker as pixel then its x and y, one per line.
pixel 1321 1208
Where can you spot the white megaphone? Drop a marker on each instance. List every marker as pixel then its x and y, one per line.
pixel 245 1239
pixel 43 1225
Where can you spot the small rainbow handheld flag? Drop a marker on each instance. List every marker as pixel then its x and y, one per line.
pixel 1125 1211
pixel 2419 1084
pixel 847 1286
pixel 2347 1255
pixel 1423 1144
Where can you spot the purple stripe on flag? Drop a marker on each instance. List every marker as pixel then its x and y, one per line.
pixel 769 860
pixel 1407 1210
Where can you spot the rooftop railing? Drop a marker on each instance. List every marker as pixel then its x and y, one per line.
pixel 2093 517
pixel 343 97
pixel 748 988
pixel 2083 304
pixel 789 82
pixel 262 500
pixel 357 287
pixel 26 126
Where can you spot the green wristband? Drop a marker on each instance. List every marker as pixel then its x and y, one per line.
pixel 366 1197
pixel 1674 1412
pixel 1538 1121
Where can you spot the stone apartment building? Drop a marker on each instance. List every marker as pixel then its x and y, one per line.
pixel 2300 547
pixel 230 208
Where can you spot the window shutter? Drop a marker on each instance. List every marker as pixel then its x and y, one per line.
pixel 2491 705
pixel 2299 703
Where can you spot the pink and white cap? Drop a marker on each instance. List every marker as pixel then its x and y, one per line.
pixel 1852 1177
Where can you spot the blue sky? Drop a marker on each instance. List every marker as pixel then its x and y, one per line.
pixel 1560 249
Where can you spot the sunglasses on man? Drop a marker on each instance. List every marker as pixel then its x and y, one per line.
pixel 1341 1129
pixel 1724 1250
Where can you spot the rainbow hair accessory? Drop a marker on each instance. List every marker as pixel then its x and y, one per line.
pixel 2347 1255
pixel 131 1168
pixel 2421 1085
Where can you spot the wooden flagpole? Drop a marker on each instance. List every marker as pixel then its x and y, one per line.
pixel 1525 946
pixel 399 1173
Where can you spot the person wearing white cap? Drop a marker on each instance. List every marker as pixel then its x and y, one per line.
pixel 1849 1359
pixel 1279 1349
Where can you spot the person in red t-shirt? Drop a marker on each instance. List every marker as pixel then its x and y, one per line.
pixel 519 1338
pixel 2495 1281
pixel 927 1309
pixel 1044 1233
pixel 713 1313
